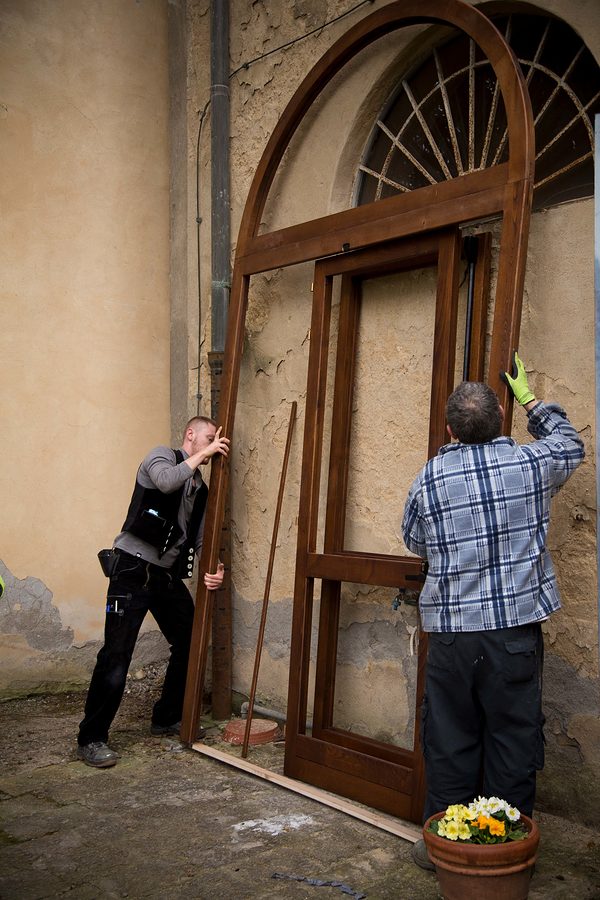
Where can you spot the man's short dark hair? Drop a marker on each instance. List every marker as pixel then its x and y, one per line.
pixel 473 413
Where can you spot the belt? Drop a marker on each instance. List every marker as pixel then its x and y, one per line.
pixel 149 566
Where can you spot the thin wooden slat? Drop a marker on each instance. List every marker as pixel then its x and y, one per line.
pixel 384 823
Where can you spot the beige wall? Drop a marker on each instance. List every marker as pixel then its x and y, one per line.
pixel 376 670
pixel 84 317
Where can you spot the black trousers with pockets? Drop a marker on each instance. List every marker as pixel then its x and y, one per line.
pixel 138 587
pixel 482 716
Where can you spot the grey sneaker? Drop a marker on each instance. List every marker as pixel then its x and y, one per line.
pixel 421 856
pixel 165 730
pixel 97 754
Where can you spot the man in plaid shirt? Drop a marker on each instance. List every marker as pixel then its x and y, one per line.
pixel 479 513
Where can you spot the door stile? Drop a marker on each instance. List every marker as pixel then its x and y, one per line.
pixel 509 288
pixel 337 490
pixel 481 293
pixel 339 463
pixel 444 353
pixel 309 503
pixel 444 338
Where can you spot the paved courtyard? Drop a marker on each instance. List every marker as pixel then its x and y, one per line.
pixel 167 822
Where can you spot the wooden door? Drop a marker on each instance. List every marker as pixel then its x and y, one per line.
pixel 383 775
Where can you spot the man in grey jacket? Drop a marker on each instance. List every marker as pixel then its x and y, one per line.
pixel 151 554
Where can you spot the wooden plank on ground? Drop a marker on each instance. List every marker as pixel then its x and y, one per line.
pixel 385 823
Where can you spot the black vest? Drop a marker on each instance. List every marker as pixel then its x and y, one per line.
pixel 152 516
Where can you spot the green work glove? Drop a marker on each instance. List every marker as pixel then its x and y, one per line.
pixel 517 382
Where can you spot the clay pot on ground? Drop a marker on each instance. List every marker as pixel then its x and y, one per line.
pixel 476 871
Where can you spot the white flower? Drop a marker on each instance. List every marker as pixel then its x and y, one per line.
pixel 481 805
pixel 512 813
pixel 495 804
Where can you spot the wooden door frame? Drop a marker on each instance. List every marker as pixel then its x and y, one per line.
pixel 504 189
pixel 385 776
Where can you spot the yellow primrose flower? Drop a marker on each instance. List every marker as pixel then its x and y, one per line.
pixel 452 830
pixel 456 811
pixel 483 821
pixel 496 827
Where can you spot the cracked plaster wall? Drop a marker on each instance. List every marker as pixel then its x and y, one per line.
pixel 375 691
pixel 84 315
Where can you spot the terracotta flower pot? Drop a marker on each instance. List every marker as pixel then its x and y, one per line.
pixel 474 871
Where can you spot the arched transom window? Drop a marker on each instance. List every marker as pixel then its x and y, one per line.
pixel 446 117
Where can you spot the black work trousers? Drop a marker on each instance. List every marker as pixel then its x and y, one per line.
pixel 482 717
pixel 135 588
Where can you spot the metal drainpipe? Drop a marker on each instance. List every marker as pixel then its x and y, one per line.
pixel 220 287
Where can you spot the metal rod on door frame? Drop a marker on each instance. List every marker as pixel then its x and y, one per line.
pixel 265 604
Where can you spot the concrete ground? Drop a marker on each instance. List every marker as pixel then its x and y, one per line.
pixel 167 823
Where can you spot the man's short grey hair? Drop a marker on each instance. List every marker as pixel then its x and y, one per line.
pixel 473 413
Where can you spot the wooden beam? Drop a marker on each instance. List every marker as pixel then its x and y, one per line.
pixel 365 568
pixel 474 196
pixel 384 823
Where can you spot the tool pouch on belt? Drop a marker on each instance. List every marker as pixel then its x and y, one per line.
pixel 108 561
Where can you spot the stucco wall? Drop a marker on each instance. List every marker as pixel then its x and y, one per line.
pixel 84 313
pixel 375 693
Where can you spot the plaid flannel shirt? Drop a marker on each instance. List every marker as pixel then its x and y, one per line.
pixel 479 514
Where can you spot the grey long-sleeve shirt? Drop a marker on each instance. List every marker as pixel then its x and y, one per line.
pixel 160 469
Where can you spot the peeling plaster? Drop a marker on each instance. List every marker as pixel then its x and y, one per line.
pixel 377 671
pixel 26 609
pixel 37 653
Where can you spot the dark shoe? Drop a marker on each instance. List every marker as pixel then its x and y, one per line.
pixel 421 856
pixel 166 730
pixel 97 754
